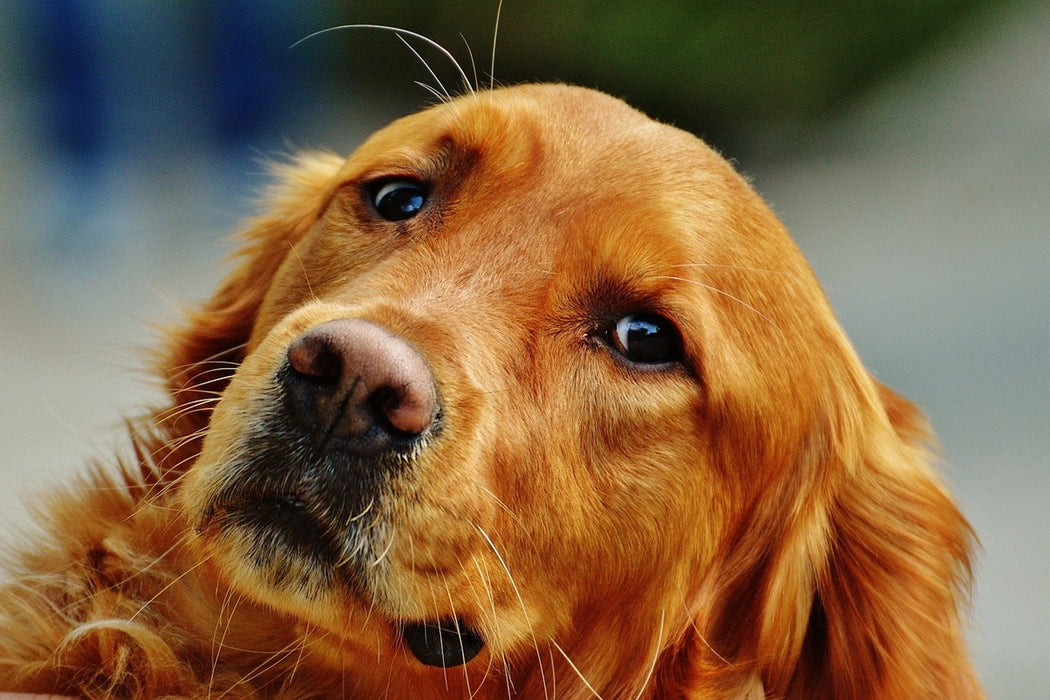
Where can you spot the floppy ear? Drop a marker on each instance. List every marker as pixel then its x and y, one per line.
pixel 204 350
pixel 844 579
pixel 885 619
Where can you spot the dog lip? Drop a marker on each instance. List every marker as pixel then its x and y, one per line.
pixel 283 516
pixel 443 644
pixel 286 510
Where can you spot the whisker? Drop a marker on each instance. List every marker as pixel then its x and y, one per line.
pixel 487 589
pixel 741 268
pixel 299 658
pixel 459 635
pixel 432 90
pixel 443 95
pixel 371 503
pixel 174 412
pixel 441 637
pixel 495 35
pixel 473 65
pixel 200 385
pixel 398 31
pixel 521 600
pixel 214 358
pixel 716 290
pixel 224 457
pixel 554 672
pixel 503 506
pixel 710 647
pixel 302 267
pixel 218 642
pixel 359 544
pixel 656 656
pixel 389 544
pixel 274 659
pixel 166 588
pixel 177 444
pixel 582 677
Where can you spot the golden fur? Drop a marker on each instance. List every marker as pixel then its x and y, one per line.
pixel 753 516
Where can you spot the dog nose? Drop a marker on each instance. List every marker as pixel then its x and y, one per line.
pixel 356 383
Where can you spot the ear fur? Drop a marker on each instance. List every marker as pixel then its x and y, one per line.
pixel 203 352
pixel 893 576
pixel 848 586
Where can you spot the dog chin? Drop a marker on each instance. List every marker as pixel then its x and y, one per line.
pixel 282 568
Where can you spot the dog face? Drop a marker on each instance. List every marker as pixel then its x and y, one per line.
pixel 532 382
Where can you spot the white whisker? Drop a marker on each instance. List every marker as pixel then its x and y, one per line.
pixel 443 95
pixel 741 268
pixel 166 588
pixel 382 555
pixel 580 675
pixel 521 600
pixel 218 642
pixel 399 32
pixel 656 656
pixel 495 35
pixel 716 290
pixel 432 90
pixel 491 599
pixel 503 506
pixel 473 65
pixel 696 629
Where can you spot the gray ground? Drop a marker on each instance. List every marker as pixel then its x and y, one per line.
pixel 925 211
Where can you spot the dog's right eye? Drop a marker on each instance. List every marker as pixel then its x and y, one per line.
pixel 645 339
pixel 397 200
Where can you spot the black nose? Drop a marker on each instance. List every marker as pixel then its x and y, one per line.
pixel 354 382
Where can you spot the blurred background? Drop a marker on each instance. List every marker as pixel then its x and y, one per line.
pixel 905 144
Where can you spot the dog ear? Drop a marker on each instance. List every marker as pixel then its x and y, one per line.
pixel 844 579
pixel 204 350
pixel 895 571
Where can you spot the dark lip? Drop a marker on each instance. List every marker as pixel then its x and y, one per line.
pixel 281 526
pixel 287 513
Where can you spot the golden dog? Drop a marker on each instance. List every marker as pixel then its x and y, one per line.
pixel 531 396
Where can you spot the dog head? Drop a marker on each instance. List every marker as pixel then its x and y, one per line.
pixel 536 386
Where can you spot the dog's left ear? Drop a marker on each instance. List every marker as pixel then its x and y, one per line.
pixel 844 581
pixel 893 577
pixel 205 349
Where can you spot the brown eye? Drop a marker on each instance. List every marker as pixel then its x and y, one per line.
pixel 397 200
pixel 645 338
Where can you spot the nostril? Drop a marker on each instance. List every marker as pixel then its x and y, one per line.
pixel 408 409
pixel 383 402
pixel 316 360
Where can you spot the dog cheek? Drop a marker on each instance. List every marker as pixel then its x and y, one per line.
pixel 654 491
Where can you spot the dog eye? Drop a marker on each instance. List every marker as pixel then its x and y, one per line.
pixel 646 338
pixel 397 200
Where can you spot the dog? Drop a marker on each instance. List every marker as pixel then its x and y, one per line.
pixel 531 396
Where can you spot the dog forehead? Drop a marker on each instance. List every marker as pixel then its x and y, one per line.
pixel 547 130
pixel 580 113
pixel 583 173
pixel 573 129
